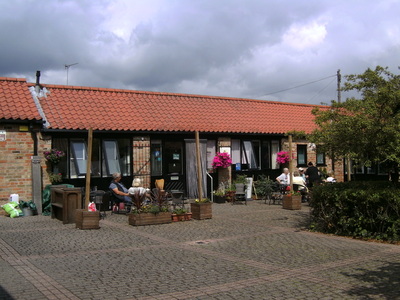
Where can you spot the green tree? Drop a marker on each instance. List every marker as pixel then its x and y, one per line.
pixel 367 129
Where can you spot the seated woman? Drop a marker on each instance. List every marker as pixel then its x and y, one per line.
pixel 139 193
pixel 137 187
pixel 119 190
pixel 299 180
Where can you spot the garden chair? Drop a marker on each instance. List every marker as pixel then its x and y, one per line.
pixel 177 199
pixel 240 194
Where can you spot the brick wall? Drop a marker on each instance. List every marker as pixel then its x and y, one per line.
pixel 336 171
pixel 15 163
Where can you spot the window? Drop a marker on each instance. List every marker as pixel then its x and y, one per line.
pixel 79 158
pixel 320 158
pixel 156 158
pixel 235 145
pixel 274 151
pixel 250 154
pixel 210 153
pixel 301 155
pixel 111 157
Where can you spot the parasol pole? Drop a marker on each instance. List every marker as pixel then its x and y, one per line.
pixel 88 167
pixel 199 177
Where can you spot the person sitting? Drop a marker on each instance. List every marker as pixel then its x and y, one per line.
pixel 139 192
pixel 119 190
pixel 330 178
pixel 137 187
pixel 284 179
pixel 299 181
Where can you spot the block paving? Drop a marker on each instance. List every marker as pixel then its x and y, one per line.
pixel 254 251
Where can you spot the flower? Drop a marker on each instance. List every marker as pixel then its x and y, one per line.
pixel 54 178
pixel 221 160
pixel 150 208
pixel 54 155
pixel 203 200
pixel 282 157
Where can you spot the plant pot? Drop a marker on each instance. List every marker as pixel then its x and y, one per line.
pixel 149 218
pixel 292 202
pixel 87 219
pixel 219 199
pixel 201 211
pixel 188 216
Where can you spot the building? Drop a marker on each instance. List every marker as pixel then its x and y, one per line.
pixel 145 134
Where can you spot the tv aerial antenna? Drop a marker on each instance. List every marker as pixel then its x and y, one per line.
pixel 67 68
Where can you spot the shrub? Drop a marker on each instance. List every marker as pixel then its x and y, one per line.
pixel 369 210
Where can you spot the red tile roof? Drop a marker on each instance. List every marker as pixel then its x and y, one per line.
pixel 16 102
pixel 72 108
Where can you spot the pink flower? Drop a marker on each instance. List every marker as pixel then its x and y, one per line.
pixel 282 157
pixel 221 160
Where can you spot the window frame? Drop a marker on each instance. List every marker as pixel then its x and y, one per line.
pixel 303 148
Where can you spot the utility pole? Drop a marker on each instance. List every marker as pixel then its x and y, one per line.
pixel 347 159
pixel 339 79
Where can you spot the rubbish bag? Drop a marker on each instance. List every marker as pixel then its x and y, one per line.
pixel 12 209
pixel 28 207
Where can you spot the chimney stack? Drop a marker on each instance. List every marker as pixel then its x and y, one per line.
pixel 37 86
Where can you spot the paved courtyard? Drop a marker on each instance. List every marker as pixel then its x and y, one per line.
pixel 258 251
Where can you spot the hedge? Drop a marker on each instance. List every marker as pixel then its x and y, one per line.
pixel 369 210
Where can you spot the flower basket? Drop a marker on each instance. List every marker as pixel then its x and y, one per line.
pixel 54 156
pixel 221 160
pixel 149 218
pixel 201 211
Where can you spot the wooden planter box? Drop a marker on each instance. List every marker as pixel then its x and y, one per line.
pixel 201 211
pixel 292 202
pixel 87 219
pixel 149 219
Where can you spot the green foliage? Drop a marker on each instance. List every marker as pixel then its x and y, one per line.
pixel 179 211
pixel 240 179
pixel 264 186
pixel 368 210
pixel 367 129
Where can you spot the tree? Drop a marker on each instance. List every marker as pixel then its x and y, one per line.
pixel 368 129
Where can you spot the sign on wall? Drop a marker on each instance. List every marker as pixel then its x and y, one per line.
pixel 3 135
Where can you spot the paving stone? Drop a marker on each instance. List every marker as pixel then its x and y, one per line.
pixel 258 251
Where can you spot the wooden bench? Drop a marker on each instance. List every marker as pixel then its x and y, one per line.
pixel 64 202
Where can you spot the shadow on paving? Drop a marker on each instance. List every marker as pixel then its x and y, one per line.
pixel 4 295
pixel 383 282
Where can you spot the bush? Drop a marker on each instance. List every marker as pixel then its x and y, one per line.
pixel 369 210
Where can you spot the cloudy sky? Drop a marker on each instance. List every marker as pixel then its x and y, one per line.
pixel 283 50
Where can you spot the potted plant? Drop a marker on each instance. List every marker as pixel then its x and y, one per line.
pixel 201 209
pixel 149 214
pixel 292 201
pixel 264 187
pixel 180 214
pixel 219 196
pixel 230 192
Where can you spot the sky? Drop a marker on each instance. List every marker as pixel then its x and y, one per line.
pixel 280 50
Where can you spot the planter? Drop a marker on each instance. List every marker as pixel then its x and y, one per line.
pixel 201 211
pixel 149 218
pixel 292 202
pixel 87 219
pixel 229 196
pixel 181 217
pixel 219 199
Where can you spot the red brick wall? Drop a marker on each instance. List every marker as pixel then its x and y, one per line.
pixel 337 171
pixel 15 163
